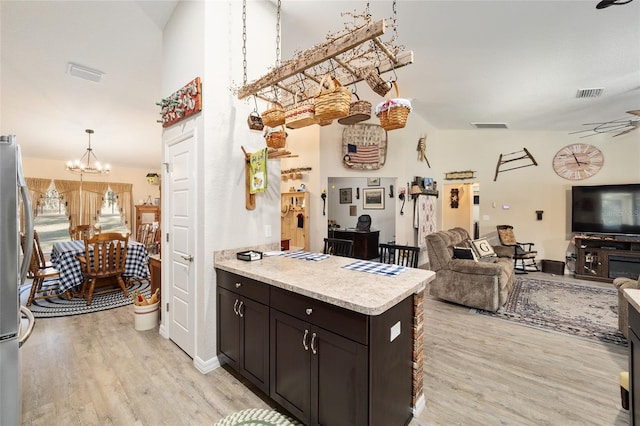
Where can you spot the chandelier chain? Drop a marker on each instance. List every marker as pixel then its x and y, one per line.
pixel 395 22
pixel 278 33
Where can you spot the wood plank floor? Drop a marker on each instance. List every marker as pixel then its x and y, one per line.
pixel 95 369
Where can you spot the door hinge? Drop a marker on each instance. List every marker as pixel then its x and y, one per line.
pixel 167 236
pixel 167 306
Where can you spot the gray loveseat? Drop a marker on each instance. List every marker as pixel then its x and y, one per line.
pixel 468 282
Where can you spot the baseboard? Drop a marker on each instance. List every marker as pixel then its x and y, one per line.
pixel 420 405
pixel 206 366
pixel 163 331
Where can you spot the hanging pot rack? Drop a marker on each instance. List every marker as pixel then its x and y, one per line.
pixel 347 57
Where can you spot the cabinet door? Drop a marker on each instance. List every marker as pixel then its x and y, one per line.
pixel 291 364
pixel 339 388
pixel 254 342
pixel 228 328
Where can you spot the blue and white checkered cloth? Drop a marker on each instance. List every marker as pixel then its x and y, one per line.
pixel 305 255
pixel 376 268
pixel 63 258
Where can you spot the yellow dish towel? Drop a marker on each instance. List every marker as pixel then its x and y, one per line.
pixel 258 171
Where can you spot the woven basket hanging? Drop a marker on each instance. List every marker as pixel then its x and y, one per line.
pixel 358 111
pixel 276 138
pixel 301 114
pixel 333 100
pixel 393 113
pixel 376 82
pixel 274 116
pixel 255 121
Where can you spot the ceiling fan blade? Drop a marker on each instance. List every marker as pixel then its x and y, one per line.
pixel 634 112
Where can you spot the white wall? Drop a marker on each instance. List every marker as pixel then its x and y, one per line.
pixel 204 39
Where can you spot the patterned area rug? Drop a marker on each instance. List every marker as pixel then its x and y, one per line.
pixel 575 309
pixel 257 417
pixel 61 307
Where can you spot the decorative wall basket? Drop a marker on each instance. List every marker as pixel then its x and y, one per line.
pixel 358 111
pixel 274 116
pixel 276 138
pixel 301 114
pixel 333 100
pixel 364 146
pixel 393 113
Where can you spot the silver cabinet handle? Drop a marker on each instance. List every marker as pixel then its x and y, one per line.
pixel 308 311
pixel 304 340
pixel 313 346
pixel 235 307
pixel 238 285
pixel 240 309
pixel 187 258
pixel 32 322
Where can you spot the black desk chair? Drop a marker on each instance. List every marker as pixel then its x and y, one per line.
pixel 338 247
pixel 399 255
pixel 364 223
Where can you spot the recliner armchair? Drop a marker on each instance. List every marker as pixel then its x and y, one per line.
pixel 623 305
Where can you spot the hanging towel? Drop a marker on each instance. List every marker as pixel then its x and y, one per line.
pixel 258 171
pixel 424 218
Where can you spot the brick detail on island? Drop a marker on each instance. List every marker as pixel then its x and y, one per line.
pixel 418 347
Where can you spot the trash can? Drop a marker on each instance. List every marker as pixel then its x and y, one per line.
pixel 146 317
pixel 555 267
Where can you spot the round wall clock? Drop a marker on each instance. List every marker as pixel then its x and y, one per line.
pixel 578 161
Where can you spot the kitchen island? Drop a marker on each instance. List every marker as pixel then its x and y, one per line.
pixel 330 345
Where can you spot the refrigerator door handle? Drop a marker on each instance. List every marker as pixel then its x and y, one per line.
pixel 32 322
pixel 28 221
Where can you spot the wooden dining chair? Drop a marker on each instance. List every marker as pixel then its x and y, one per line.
pixel 42 260
pixel 103 264
pixel 82 232
pixel 399 255
pixel 338 247
pixel 46 280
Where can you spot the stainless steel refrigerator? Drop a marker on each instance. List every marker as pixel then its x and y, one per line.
pixel 13 270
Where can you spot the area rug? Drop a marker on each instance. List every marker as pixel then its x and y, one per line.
pixel 575 309
pixel 257 417
pixel 60 306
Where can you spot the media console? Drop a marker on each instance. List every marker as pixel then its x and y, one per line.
pixel 604 258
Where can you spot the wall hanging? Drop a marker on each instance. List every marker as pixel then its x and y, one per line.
pixel 524 158
pixel 364 147
pixel 182 103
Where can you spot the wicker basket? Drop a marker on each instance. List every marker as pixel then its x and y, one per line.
pixel 276 138
pixel 274 116
pixel 393 113
pixel 255 121
pixel 375 81
pixel 324 122
pixel 332 101
pixel 301 114
pixel 358 111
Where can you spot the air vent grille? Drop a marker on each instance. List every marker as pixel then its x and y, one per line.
pixel 83 72
pixel 490 125
pixel 589 93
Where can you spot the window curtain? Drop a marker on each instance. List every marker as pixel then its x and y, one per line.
pixel 125 201
pixel 92 199
pixel 38 188
pixel 71 191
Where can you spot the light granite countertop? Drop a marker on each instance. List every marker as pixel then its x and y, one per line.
pixel 633 296
pixel 328 281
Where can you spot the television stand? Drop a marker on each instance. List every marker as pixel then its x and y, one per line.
pixel 604 258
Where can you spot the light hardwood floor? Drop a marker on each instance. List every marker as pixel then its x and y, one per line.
pixel 95 369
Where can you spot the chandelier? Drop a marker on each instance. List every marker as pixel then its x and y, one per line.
pixel 89 163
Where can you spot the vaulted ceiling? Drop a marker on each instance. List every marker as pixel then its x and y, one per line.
pixel 515 62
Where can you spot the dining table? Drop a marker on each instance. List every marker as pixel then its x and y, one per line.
pixel 64 258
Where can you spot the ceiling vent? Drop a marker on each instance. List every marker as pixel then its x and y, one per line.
pixel 490 125
pixel 83 72
pixel 589 93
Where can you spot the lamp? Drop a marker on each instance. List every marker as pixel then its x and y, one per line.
pixel 89 163
pixel 415 191
pixel 153 178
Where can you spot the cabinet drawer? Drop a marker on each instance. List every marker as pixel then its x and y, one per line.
pixel 349 324
pixel 243 286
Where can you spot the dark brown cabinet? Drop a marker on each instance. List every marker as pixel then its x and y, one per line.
pixel 243 337
pixel 607 258
pixel 317 375
pixel 634 365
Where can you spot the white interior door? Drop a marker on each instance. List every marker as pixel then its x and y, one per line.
pixel 181 245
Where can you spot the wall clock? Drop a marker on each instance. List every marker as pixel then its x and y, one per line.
pixel 578 161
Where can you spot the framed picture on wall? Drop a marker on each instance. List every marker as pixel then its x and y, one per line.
pixel 345 196
pixel 373 198
pixel 373 181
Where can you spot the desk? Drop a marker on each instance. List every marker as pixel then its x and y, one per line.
pixel 63 258
pixel 365 243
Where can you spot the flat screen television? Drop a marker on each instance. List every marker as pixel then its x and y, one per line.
pixel 606 209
